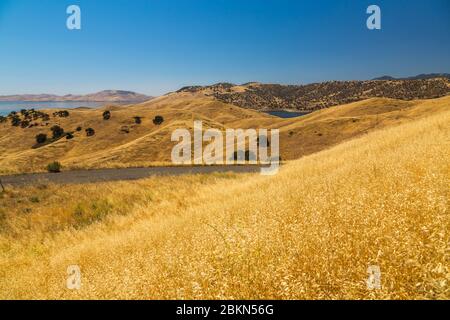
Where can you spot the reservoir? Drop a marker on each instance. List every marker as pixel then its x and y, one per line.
pixel 287 114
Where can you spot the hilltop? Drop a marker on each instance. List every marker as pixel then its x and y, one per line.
pixel 422 76
pixel 102 96
pixel 323 95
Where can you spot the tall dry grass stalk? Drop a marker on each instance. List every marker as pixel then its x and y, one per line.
pixel 309 232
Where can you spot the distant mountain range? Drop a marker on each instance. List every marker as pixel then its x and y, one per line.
pixel 102 96
pixel 309 97
pixel 423 76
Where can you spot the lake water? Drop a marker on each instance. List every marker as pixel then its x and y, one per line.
pixel 287 114
pixel 7 106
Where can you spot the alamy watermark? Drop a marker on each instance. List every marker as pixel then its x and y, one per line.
pixel 73 22
pixel 73 281
pixel 374 279
pixel 374 20
pixel 239 146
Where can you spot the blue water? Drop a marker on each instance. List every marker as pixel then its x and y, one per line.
pixel 7 106
pixel 287 114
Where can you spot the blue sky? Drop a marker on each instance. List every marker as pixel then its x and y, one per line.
pixel 157 46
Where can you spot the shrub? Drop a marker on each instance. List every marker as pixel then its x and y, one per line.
pixel 79 129
pixel 90 132
pixel 57 131
pixel 24 123
pixel 2 119
pixel 158 120
pixel 106 115
pixel 54 167
pixel 61 114
pixel 41 138
pixel 137 120
pixel 69 136
pixel 86 214
pixel 15 121
pixel 34 200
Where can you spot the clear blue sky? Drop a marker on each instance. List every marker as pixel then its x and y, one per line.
pixel 156 46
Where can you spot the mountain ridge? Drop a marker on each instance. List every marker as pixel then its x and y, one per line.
pixel 101 96
pixel 422 76
pixel 316 96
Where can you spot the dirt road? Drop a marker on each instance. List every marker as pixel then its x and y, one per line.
pixel 101 175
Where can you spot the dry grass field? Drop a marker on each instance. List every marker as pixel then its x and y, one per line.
pixel 120 142
pixel 309 232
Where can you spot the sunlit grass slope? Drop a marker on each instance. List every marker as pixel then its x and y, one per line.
pixel 120 142
pixel 309 232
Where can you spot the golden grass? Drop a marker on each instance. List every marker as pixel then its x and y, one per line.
pixel 148 145
pixel 309 232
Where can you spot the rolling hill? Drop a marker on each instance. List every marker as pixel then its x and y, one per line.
pixel 309 232
pixel 322 95
pixel 121 142
pixel 102 96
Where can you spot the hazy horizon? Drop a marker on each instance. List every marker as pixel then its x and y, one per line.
pixel 205 84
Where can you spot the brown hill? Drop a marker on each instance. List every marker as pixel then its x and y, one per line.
pixel 102 96
pixel 322 95
pixel 121 142
pixel 309 232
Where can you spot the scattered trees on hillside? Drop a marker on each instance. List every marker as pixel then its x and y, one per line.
pixel 69 136
pixel 106 115
pixel 24 124
pixel 41 138
pixel 61 114
pixel 158 120
pixel 57 131
pixel 137 120
pixel 25 117
pixel 90 132
pixel 15 120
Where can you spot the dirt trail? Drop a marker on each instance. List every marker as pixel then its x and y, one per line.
pixel 102 175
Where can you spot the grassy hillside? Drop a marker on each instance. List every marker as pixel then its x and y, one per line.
pixel 120 142
pixel 309 232
pixel 316 96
